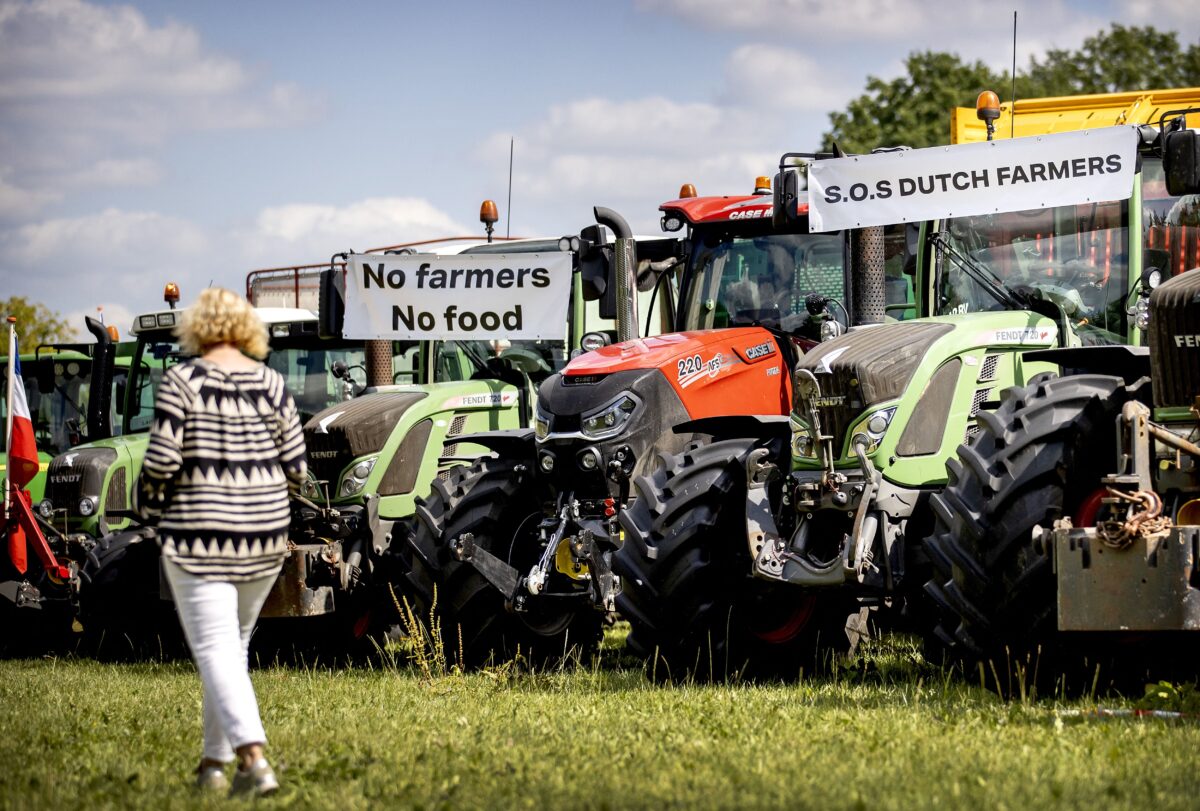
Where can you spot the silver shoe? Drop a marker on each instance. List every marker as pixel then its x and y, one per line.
pixel 258 780
pixel 211 778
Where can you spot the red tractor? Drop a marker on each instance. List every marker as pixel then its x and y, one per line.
pixel 520 544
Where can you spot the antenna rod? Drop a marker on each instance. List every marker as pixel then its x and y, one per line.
pixel 1012 114
pixel 508 208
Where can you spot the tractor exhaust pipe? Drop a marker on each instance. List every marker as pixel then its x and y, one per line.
pixel 379 362
pixel 625 272
pixel 867 259
pixel 99 423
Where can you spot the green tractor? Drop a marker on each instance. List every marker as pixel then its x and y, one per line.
pixel 748 554
pixel 68 391
pixel 372 460
pixel 59 379
pixel 1066 545
pixel 515 554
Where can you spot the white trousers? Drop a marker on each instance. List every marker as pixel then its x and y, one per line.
pixel 217 618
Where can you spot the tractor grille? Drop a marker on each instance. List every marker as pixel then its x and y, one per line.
pixel 117 497
pixel 1174 343
pixel 76 474
pixel 981 396
pixel 860 369
pixel 988 371
pixel 346 431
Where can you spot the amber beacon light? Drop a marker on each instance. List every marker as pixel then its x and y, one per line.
pixel 987 110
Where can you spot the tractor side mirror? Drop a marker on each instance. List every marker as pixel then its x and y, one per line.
pixel 1181 162
pixel 331 303
pixel 785 200
pixel 45 375
pixel 597 270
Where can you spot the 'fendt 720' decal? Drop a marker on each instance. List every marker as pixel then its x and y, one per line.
pixel 1038 336
pixel 695 367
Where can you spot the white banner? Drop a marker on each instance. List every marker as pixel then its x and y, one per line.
pixel 968 179
pixel 425 296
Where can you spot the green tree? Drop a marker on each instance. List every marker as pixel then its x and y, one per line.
pixel 1120 59
pixel 914 109
pixel 36 323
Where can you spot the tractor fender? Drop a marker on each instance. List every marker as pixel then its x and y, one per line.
pixel 1127 362
pixel 739 426
pixel 512 444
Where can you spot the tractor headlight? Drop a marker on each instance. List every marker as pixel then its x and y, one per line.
pixel 870 431
pixel 541 425
pixel 356 478
pixel 87 507
pixel 45 508
pixel 610 420
pixel 309 489
pixel 804 444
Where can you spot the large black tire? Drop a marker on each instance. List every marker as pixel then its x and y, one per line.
pixel 1037 458
pixel 693 606
pixel 496 501
pixel 120 607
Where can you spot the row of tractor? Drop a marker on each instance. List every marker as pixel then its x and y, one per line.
pixel 798 415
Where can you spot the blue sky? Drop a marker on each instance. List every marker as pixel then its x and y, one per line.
pixel 153 141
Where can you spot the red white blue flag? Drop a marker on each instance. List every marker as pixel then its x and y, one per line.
pixel 22 451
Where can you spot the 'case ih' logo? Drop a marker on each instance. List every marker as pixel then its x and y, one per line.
pixel 760 350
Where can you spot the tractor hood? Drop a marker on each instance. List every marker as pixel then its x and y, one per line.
pixel 662 350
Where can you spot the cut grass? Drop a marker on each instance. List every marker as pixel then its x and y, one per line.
pixel 887 732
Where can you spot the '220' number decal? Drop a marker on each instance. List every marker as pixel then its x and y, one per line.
pixel 690 366
pixel 694 368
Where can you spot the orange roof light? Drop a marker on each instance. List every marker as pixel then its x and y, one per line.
pixel 171 294
pixel 987 106
pixel 113 333
pixel 687 190
pixel 487 213
pixel 762 185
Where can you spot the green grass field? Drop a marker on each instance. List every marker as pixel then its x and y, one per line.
pixel 885 732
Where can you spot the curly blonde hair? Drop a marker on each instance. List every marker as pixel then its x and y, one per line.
pixel 221 316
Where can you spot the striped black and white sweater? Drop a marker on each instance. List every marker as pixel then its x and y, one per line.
pixel 218 469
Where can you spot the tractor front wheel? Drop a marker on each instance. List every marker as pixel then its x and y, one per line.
pixel 687 590
pixel 495 501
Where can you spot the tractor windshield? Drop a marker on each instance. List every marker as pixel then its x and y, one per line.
pixel 498 360
pixel 306 365
pixel 56 390
pixel 1074 256
pixel 305 362
pixel 740 280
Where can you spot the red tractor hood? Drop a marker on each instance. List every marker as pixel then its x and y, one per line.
pixel 715 372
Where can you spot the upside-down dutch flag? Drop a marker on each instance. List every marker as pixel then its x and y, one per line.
pixel 22 450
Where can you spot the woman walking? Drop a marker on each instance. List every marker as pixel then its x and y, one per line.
pixel 225 447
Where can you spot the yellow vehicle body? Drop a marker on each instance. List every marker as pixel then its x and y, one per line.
pixel 1069 113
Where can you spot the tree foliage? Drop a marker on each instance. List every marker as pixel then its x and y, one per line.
pixel 914 109
pixel 36 323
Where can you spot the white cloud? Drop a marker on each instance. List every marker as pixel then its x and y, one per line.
pixel 117 172
pixel 631 155
pixel 311 232
pixel 882 19
pixel 89 89
pixel 760 75
pixel 852 30
pixel 17 203
pixel 1179 15
pixel 111 237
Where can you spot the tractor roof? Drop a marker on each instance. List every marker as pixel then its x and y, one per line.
pixel 729 208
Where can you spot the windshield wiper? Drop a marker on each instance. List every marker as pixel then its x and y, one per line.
pixel 981 273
